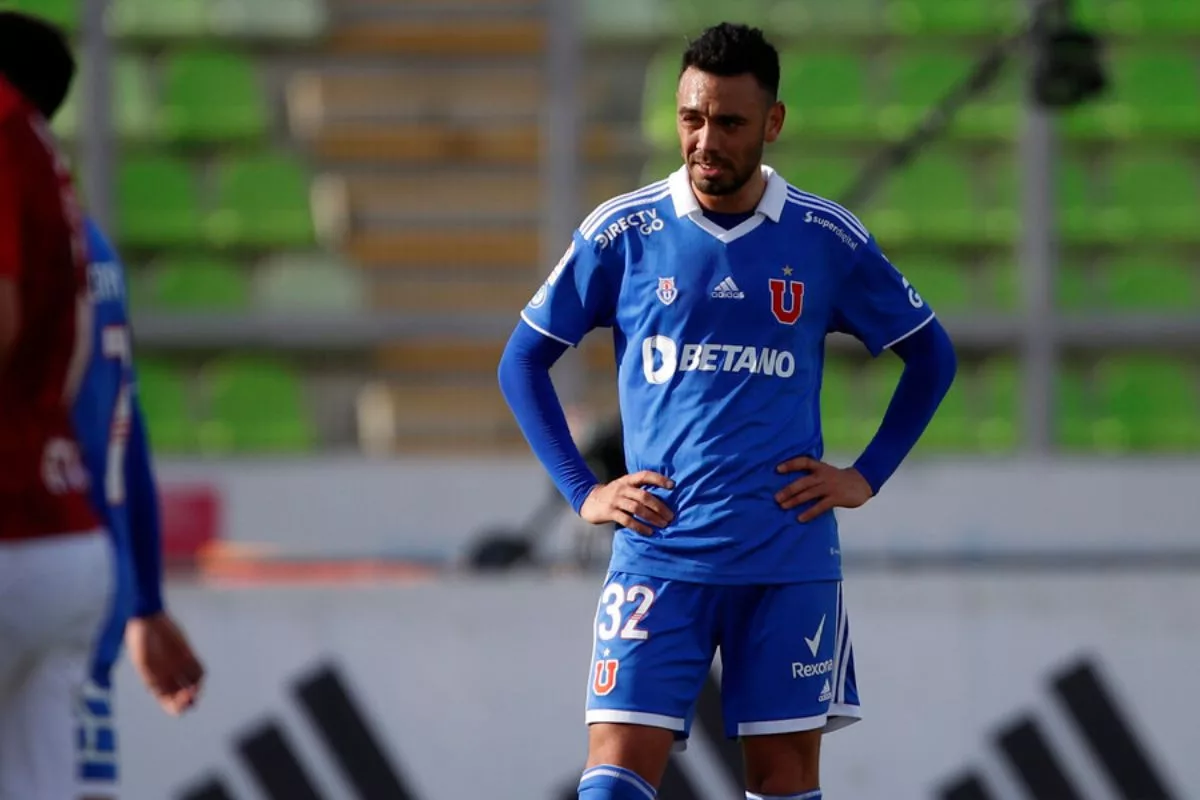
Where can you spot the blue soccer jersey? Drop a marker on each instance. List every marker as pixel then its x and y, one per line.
pixel 719 338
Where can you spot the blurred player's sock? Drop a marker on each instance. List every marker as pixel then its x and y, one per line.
pixel 815 794
pixel 607 782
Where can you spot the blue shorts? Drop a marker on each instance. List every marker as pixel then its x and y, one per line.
pixel 786 660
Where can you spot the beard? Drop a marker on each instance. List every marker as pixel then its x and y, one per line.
pixel 729 181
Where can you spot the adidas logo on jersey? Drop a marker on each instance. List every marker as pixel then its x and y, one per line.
pixel 826 693
pixel 727 290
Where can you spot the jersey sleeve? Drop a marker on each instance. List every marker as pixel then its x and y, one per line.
pixel 578 296
pixel 876 304
pixel 11 233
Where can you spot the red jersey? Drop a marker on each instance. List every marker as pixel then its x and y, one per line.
pixel 43 485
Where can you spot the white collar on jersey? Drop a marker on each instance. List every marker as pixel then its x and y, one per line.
pixel 769 207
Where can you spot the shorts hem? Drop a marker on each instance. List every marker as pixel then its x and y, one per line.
pixel 777 726
pixel 635 718
pixel 842 715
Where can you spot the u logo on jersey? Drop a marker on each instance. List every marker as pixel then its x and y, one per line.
pixel 787 300
pixel 605 679
pixel 667 291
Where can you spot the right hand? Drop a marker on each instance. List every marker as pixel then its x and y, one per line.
pixel 165 661
pixel 624 502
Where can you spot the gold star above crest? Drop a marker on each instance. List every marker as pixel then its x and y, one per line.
pixel 787 270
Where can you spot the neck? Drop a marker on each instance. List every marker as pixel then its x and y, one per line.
pixel 743 200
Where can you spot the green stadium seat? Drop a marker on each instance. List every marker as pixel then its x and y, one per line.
pixel 1003 281
pixel 1075 420
pixel 659 101
pixel 999 113
pixel 158 19
pixel 1152 282
pixel 1152 400
pixel 1154 94
pixel 268 19
pixel 932 199
pixel 944 284
pixel 1077 286
pixel 200 284
pixel 959 17
pixel 211 96
pixel 1080 216
pixel 1134 17
pixel 262 201
pixel 809 17
pixel 163 394
pixel 1155 197
pixel 157 203
pixel 839 423
pixel 918 80
pixel 825 94
pixel 829 176
pixel 65 14
pixel 309 283
pixel 693 16
pixel 255 405
pixel 133 103
pixel 998 412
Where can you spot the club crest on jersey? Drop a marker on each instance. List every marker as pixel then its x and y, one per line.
pixel 667 291
pixel 787 300
pixel 605 679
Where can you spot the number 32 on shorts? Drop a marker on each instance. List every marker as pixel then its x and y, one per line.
pixel 612 622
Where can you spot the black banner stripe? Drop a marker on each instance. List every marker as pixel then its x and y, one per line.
pixel 1035 763
pixel 210 790
pixel 712 724
pixel 272 760
pixel 344 730
pixel 676 785
pixel 1094 713
pixel 969 787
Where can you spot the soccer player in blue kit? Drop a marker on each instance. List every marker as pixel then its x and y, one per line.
pixel 116 451
pixel 720 284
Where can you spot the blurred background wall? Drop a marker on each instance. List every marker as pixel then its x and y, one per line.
pixel 332 212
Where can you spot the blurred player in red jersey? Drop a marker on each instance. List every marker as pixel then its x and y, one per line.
pixel 55 560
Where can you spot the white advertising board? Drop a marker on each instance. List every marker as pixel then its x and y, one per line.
pixel 474 688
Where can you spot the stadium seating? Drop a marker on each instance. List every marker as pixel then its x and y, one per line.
pixel 211 97
pixel 215 214
pixel 254 405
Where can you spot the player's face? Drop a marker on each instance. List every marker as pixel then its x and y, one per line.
pixel 724 123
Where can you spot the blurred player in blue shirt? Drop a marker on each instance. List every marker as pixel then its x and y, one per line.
pixel 112 430
pixel 720 284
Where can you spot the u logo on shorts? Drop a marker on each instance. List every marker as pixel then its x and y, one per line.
pixel 605 679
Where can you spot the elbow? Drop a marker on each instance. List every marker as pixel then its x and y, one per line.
pixel 946 359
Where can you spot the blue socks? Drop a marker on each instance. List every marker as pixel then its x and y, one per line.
pixel 815 794
pixel 607 782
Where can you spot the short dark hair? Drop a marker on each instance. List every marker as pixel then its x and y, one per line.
pixel 730 49
pixel 36 59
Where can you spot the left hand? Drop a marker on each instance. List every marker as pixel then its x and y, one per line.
pixel 832 487
pixel 163 658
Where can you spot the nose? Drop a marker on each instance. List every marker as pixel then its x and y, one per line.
pixel 708 139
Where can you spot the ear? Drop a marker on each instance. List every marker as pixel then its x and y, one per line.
pixel 775 118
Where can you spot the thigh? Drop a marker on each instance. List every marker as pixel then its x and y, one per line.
pixel 780 658
pixel 654 641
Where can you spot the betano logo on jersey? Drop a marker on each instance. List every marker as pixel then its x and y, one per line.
pixel 644 222
pixel 662 358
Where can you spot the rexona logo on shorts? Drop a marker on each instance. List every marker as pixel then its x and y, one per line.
pixel 802 670
pixel 663 357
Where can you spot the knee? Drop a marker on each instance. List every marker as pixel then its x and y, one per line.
pixel 637 748
pixel 783 765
